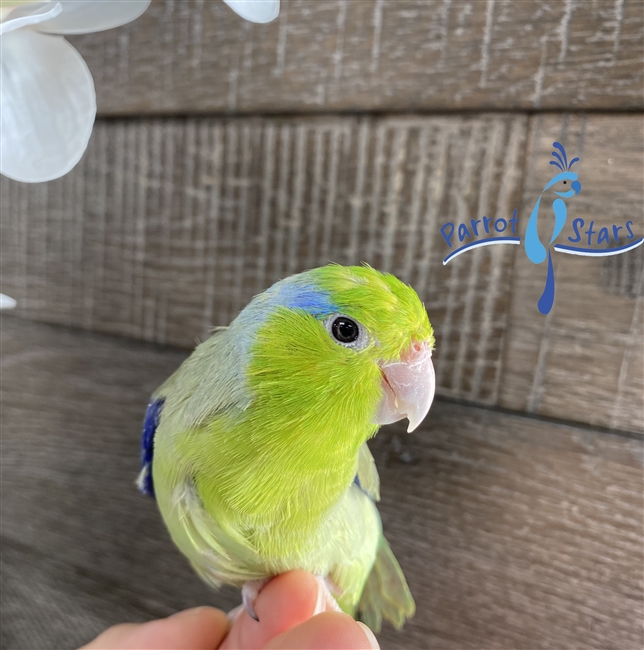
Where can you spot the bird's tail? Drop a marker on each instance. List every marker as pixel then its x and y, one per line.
pixel 386 593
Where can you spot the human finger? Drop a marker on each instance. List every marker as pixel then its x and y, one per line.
pixel 327 631
pixel 201 628
pixel 111 638
pixel 286 601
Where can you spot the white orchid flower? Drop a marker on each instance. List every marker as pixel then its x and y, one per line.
pixel 256 11
pixel 47 98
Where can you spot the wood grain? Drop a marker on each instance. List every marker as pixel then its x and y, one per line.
pixel 47 603
pixel 168 227
pixel 514 532
pixel 383 55
pixel 585 360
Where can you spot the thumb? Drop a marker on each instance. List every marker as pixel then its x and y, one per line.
pixel 286 601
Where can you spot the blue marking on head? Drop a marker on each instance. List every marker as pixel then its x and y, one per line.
pixel 298 292
pixel 314 301
pixel 150 425
pixel 305 296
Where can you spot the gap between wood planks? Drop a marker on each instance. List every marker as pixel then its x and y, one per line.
pixel 360 113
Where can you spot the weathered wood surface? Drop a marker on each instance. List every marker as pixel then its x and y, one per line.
pixel 409 55
pixel 402 55
pixel 168 227
pixel 47 603
pixel 514 532
pixel 585 360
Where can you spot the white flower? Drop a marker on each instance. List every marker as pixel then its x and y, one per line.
pixel 257 11
pixel 6 302
pixel 47 98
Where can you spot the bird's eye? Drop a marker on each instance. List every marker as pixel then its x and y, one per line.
pixel 565 182
pixel 345 330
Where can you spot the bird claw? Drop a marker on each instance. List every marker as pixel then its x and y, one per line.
pixel 326 599
pixel 250 592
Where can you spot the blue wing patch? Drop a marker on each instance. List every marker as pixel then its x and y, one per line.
pixel 144 482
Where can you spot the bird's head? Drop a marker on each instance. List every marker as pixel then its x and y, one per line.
pixel 565 184
pixel 346 342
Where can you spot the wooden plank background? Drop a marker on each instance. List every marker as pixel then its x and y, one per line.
pixel 585 360
pixel 385 55
pixel 513 532
pixel 167 228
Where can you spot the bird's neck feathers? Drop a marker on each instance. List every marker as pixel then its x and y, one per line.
pixel 310 385
pixel 295 452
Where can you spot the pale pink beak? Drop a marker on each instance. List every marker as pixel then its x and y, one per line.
pixel 408 387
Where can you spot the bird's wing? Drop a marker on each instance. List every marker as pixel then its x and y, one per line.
pixel 219 556
pixel 151 423
pixel 367 477
pixel 210 381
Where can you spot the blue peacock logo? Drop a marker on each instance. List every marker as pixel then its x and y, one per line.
pixel 564 185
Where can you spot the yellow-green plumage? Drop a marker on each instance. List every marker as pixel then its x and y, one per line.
pixel 264 428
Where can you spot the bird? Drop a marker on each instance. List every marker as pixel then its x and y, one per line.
pixel 256 447
pixel 566 185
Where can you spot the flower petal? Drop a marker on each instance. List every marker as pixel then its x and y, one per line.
pixel 86 16
pixel 6 302
pixel 257 11
pixel 29 14
pixel 47 106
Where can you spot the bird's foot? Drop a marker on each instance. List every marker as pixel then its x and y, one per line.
pixel 250 591
pixel 234 614
pixel 326 599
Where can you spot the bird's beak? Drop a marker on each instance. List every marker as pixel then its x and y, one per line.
pixel 408 387
pixel 576 186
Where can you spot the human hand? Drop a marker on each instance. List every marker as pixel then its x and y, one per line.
pixel 286 607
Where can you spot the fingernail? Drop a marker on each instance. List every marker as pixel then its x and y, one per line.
pixel 370 636
pixel 320 603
